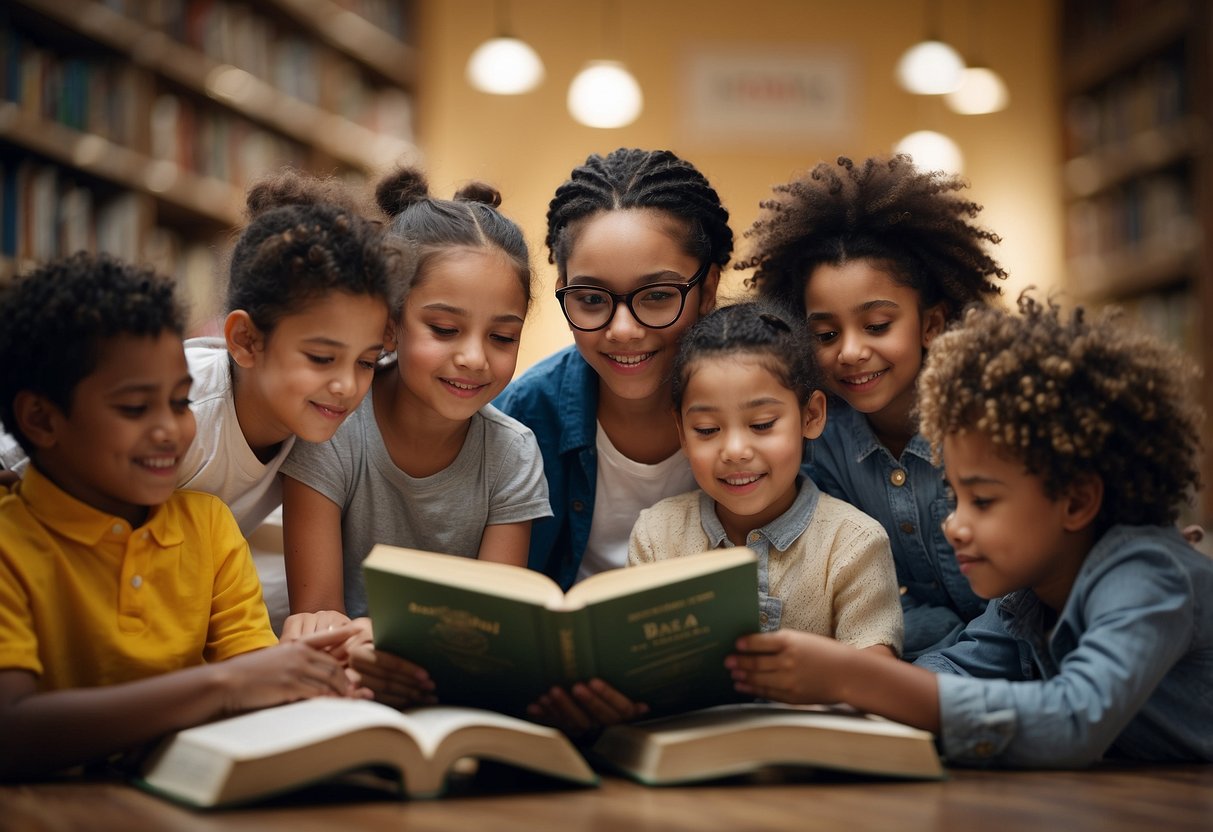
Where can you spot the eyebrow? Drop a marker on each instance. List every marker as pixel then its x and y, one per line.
pixel 148 387
pixel 508 317
pixel 863 307
pixel 659 276
pixel 752 403
pixel 977 479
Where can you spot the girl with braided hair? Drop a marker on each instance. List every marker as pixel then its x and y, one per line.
pixel 880 257
pixel 1069 442
pixel 746 396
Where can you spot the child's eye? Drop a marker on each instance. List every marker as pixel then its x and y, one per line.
pixel 366 364
pixel 319 359
pixel 131 411
pixel 504 339
pixel 825 337
pixel 180 406
pixel 705 431
pixel 878 328
pixel 982 503
pixel 442 331
pixel 763 426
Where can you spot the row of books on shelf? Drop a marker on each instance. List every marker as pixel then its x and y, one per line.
pixel 1153 95
pixel 1150 211
pixel 46 213
pixel 387 15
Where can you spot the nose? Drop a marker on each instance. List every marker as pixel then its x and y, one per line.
pixel 471 354
pixel 851 348
pixel 342 383
pixel 623 325
pixel 954 530
pixel 737 447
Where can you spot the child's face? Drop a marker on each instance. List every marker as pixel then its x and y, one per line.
pixel 870 336
pixel 743 433
pixel 1007 533
pixel 130 423
pixel 314 369
pixel 459 334
pixel 621 251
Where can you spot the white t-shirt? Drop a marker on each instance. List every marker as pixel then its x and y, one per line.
pixel 625 488
pixel 220 461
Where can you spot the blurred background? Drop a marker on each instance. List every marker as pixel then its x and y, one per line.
pixel 135 126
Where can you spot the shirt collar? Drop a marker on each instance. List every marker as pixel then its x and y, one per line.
pixel 858 433
pixel 782 532
pixel 578 404
pixel 80 522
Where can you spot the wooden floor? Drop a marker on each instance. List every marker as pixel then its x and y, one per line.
pixel 1103 800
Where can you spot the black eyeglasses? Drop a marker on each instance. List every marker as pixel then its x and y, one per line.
pixel 656 305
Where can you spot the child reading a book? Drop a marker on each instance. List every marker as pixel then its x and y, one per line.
pixel 880 257
pixel 127 609
pixel 1069 443
pixel 746 395
pixel 425 462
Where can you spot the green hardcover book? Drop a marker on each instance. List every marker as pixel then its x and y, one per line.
pixel 497 636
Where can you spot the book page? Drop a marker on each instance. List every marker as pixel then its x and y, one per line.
pixel 430 725
pixel 466 573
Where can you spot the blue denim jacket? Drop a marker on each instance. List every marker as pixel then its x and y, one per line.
pixel 1127 670
pixel 908 498
pixel 558 400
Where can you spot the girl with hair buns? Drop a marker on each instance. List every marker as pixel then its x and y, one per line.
pixel 426 462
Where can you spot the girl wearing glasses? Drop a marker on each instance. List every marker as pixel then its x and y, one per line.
pixel 638 238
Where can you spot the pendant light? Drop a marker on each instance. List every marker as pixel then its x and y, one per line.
pixel 504 65
pixel 604 93
pixel 981 89
pixel 930 67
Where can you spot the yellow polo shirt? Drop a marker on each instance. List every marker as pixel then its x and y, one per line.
pixel 85 600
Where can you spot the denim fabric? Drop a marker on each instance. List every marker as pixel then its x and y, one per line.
pixel 558 400
pixel 1126 670
pixel 908 498
pixel 781 533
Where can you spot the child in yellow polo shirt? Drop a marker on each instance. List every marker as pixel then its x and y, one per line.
pixel 126 608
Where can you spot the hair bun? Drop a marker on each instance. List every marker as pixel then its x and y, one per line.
pixel 397 191
pixel 482 192
pixel 289 187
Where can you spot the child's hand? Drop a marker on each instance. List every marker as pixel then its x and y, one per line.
pixel 585 709
pixel 786 666
pixel 300 669
pixel 391 680
pixel 305 623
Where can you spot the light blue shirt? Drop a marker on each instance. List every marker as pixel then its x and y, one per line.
pixel 1127 669
pixel 907 497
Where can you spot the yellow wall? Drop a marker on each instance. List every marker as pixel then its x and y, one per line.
pixel 526 145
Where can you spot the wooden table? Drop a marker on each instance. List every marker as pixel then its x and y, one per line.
pixel 1104 800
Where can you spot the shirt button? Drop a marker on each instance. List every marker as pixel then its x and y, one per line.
pixel 578 506
pixel 137 581
pixel 754 537
pixel 898 477
pixel 984 748
pixel 763 618
pixel 116 528
pixel 907 527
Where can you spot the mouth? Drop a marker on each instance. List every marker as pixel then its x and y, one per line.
pixel 741 481
pixel 863 380
pixel 330 411
pixel 463 389
pixel 159 465
pixel 629 360
pixel 966 562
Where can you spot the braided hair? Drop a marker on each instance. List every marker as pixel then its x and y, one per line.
pixel 909 221
pixel 751 329
pixel 631 178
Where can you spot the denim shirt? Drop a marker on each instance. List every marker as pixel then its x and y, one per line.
pixel 908 498
pixel 558 400
pixel 1127 670
pixel 781 533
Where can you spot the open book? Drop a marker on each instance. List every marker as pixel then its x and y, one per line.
pixel 264 753
pixel 497 636
pixel 739 739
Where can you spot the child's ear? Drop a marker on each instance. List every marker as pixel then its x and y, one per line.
pixel 37 417
pixel 708 288
pixel 1082 502
pixel 814 415
pixel 934 321
pixel 243 337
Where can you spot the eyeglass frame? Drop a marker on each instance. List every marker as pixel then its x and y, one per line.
pixel 626 298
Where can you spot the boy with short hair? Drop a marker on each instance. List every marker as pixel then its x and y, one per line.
pixel 126 608
pixel 1069 444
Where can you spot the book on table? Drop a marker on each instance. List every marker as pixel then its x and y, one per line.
pixel 277 750
pixel 742 738
pixel 497 636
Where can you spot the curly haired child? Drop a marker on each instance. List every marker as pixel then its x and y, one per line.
pixel 880 257
pixel 127 609
pixel 1069 443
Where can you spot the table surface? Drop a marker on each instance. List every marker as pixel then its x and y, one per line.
pixel 1107 799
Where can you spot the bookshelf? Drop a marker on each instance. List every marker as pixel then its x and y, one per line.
pixel 135 126
pixel 1138 170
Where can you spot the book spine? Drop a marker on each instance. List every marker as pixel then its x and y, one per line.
pixel 574 647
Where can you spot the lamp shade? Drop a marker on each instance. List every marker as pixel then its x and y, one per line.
pixel 981 91
pixel 604 94
pixel 504 66
pixel 930 68
pixel 932 151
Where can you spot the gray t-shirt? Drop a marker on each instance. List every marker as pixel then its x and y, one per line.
pixel 496 478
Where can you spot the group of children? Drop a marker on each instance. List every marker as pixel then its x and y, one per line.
pixel 923 475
